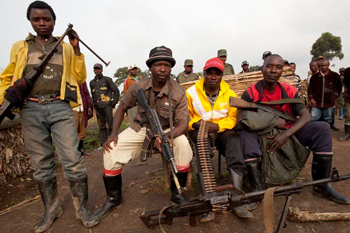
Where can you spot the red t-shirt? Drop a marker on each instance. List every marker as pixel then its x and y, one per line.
pixel 269 96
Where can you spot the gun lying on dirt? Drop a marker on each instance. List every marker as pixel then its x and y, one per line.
pixel 224 195
pixel 16 94
pixel 155 130
pixel 242 104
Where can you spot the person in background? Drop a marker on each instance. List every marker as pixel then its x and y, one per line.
pixel 346 83
pixel 245 67
pixel 130 80
pixel 324 88
pixel 105 95
pixel 313 65
pixel 340 100
pixel 222 55
pixel 187 75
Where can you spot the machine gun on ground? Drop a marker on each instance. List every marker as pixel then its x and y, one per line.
pixel 226 195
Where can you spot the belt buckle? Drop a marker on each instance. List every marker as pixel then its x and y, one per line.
pixel 44 99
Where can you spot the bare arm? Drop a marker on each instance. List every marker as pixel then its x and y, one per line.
pixel 117 120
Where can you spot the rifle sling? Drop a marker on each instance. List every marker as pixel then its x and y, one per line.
pixel 268 206
pixel 170 116
pixel 283 101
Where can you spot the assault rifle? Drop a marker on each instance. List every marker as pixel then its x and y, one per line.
pixel 226 196
pixel 155 130
pixel 17 93
pixel 242 104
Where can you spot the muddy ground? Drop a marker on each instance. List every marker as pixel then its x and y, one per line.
pixel 143 189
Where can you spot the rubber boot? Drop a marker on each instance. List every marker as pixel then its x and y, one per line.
pixel 81 148
pixel 79 191
pixel 333 126
pixel 237 182
pixel 347 133
pixel 321 169
pixel 48 192
pixel 255 179
pixel 175 196
pixel 113 186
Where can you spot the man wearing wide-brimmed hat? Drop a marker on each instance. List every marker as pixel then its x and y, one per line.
pixel 168 98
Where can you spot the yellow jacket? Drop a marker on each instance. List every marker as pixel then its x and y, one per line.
pixel 74 71
pixel 220 113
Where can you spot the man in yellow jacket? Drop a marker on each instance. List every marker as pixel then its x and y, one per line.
pixel 48 113
pixel 208 100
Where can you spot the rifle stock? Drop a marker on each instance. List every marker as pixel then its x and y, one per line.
pixel 242 104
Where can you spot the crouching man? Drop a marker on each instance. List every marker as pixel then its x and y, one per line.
pixel 162 93
pixel 288 137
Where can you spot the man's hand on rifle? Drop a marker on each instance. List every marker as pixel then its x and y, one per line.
pixel 158 143
pixel 107 145
pixel 276 143
pixel 73 40
pixel 280 123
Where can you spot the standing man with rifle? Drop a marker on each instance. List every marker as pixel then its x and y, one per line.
pixel 314 135
pixel 105 95
pixel 168 98
pixel 48 112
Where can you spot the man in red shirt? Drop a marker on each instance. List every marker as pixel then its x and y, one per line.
pixel 314 135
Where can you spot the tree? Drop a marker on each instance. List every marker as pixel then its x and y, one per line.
pixel 328 46
pixel 122 73
pixel 254 68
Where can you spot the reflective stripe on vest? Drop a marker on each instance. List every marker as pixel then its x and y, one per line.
pixel 197 104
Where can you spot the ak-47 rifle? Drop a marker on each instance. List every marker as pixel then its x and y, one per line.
pixel 20 90
pixel 242 104
pixel 17 93
pixel 155 130
pixel 226 195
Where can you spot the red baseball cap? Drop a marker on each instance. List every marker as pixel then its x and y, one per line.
pixel 214 63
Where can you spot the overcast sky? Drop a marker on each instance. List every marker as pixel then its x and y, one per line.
pixel 124 32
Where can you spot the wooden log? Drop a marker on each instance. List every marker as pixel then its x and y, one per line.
pixel 297 215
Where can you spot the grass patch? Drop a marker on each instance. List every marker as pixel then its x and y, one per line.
pixel 92 139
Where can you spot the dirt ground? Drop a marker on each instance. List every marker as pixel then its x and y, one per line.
pixel 143 189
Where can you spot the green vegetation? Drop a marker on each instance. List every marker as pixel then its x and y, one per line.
pixel 328 46
pixel 92 139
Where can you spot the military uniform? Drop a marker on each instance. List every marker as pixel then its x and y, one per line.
pixel 183 77
pixel 105 95
pixel 228 69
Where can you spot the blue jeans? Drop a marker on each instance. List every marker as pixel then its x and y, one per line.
pixel 317 113
pixel 41 124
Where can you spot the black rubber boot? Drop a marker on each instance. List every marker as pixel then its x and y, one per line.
pixel 79 191
pixel 321 169
pixel 113 186
pixel 347 133
pixel 175 196
pixel 333 126
pixel 81 148
pixel 237 182
pixel 48 192
pixel 255 179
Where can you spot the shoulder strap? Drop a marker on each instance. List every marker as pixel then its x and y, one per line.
pixel 284 101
